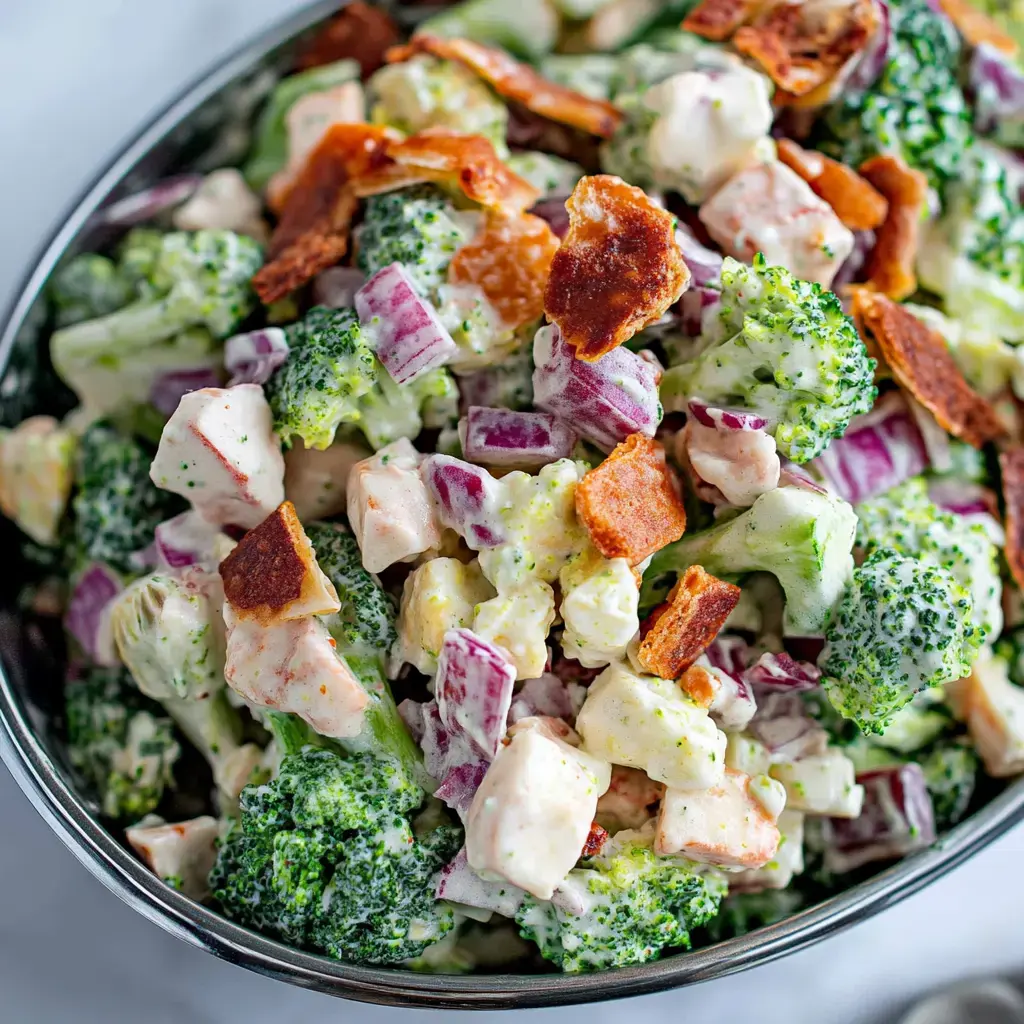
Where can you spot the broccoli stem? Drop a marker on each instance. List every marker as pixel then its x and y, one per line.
pixel 135 327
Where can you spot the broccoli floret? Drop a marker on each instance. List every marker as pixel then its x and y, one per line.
pixel 744 912
pixel 88 286
pixel 120 741
pixel 417 227
pixel 325 858
pixel 117 507
pixel 950 771
pixel 635 905
pixel 803 538
pixel 785 349
pixel 552 176
pixel 900 627
pixel 592 74
pixel 137 257
pixel 528 28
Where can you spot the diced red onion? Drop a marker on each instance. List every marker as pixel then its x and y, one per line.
pixel 459 883
pixel 734 704
pixel 997 85
pixel 783 725
pixel 411 712
pixel 730 654
pixel 725 419
pixel 897 819
pixel 435 741
pixel 504 437
pixel 460 785
pixel 605 401
pixel 407 334
pixel 468 499
pixel 873 58
pixel 554 212
pixel 850 269
pixel 547 695
pixel 793 475
pixel 147 204
pixel 970 501
pixel 692 307
pixel 936 440
pixel 336 287
pixel 187 539
pixel 252 358
pixel 168 389
pixel 568 670
pixel 781 672
pixel 705 264
pixel 87 616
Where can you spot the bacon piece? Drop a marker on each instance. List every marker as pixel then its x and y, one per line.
pixel 519 82
pixel 891 264
pixel 317 212
pixel 1011 465
pixel 856 202
pixel 617 270
pixel 718 20
pixel 272 574
pixel 357 32
pixel 509 260
pixel 629 504
pixel 977 27
pixel 696 610
pixel 596 838
pixel 921 363
pixel 467 162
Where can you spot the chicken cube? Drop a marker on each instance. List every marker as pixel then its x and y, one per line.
pixel 993 709
pixel 746 754
pixel 182 854
pixel 220 452
pixel 519 620
pixel 787 862
pixel 823 784
pixel 316 479
pixel 223 202
pixel 532 813
pixel 770 209
pixel 630 801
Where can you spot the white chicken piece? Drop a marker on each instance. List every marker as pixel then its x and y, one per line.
pixel 747 755
pixel 770 209
pixel 731 825
pixel 993 709
pixel 644 722
pixel 629 801
pixel 519 621
pixel 220 452
pixel 293 666
pixel 823 784
pixel 182 853
pixel 223 202
pixel 316 480
pixel 742 464
pixel 439 595
pixel 389 509
pixel 533 811
pixel 787 862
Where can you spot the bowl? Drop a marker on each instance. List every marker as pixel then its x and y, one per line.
pixel 204 128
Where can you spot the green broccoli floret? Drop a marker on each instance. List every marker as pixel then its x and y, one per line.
pixel 325 858
pixel 552 176
pixel 120 741
pixel 593 74
pixel 744 912
pixel 950 770
pixel 528 29
pixel 417 227
pixel 137 256
pixel 900 627
pixel 88 286
pixel 635 905
pixel 117 507
pixel 906 520
pixel 784 349
pixel 803 538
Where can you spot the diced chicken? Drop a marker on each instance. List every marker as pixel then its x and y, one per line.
pixel 234 772
pixel 728 825
pixel 742 464
pixel 825 784
pixel 220 452
pixel 630 801
pixel 787 862
pixel 441 594
pixel 993 709
pixel 532 813
pixel 389 509
pixel 770 209
pixel 519 621
pixel 646 722
pixel 182 854
pixel 746 754
pixel 223 202
pixel 293 666
pixel 316 480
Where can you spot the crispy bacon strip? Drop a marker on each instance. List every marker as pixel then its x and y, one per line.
pixel 272 574
pixel 596 838
pixel 519 82
pixel 1011 465
pixel 467 162
pixel 977 27
pixel 629 504
pixel 357 32
pixel 856 202
pixel 509 260
pixel 696 610
pixel 890 268
pixel 718 20
pixel 921 363
pixel 313 231
pixel 617 270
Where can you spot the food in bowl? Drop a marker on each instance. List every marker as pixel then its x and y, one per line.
pixel 547 501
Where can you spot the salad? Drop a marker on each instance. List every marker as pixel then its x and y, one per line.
pixel 560 498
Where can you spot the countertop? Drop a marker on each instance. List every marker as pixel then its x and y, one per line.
pixel 76 78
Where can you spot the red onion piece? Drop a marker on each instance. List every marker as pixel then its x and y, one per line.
pixel 252 358
pixel 503 437
pixel 730 654
pixel 783 725
pixel 997 86
pixel 411 712
pixel 936 440
pixel 436 742
pixel 692 306
pixel 547 695
pixel 725 419
pixel 187 539
pixel 87 615
pixel 461 884
pixel 872 59
pixel 962 497
pixel 850 269
pixel 408 336
pixel 145 205
pixel 468 499
pixel 336 287
pixel 168 389
pixel 460 785
pixel 705 264
pixel 554 212
pixel 781 672
pixel 792 475
pixel 605 401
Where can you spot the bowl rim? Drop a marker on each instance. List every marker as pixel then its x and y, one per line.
pixel 67 815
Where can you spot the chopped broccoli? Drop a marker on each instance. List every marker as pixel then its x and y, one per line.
pixel 120 741
pixel 803 538
pixel 137 256
pixel 907 521
pixel 325 858
pixel 88 286
pixel 528 28
pixel 552 176
pixel 950 770
pixel 900 627
pixel 744 912
pixel 117 507
pixel 592 74
pixel 635 905
pixel 785 349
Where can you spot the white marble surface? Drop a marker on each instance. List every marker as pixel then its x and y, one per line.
pixel 76 77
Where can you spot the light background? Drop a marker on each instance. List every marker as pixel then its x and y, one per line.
pixel 76 78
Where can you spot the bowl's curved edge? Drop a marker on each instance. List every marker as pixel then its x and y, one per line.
pixel 38 777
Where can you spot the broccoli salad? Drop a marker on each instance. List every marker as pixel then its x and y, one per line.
pixel 559 500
